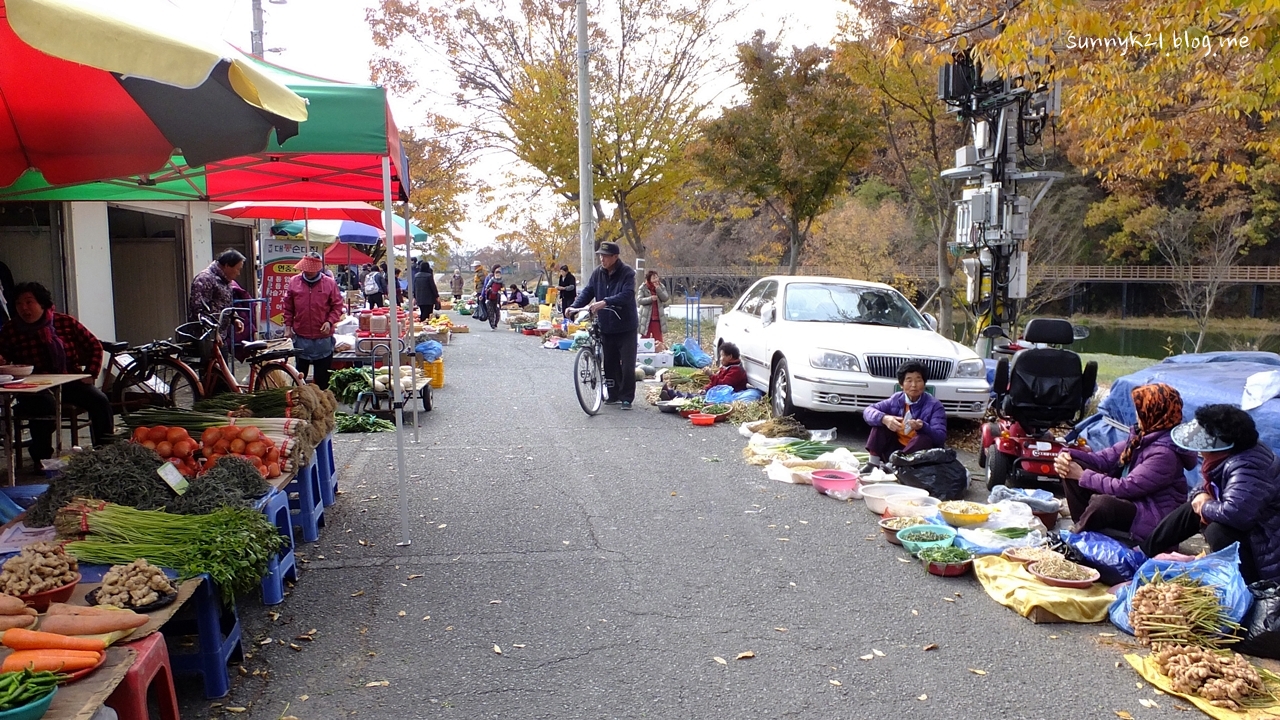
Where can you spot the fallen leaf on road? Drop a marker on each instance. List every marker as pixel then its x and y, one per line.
pixel 837 683
pixel 922 698
pixel 266 641
pixel 401 614
pixel 274 616
pixel 495 602
pixel 1147 703
pixel 1106 634
pixel 415 577
pixel 497 649
pixel 784 539
pixel 780 629
pixel 976 671
pixel 745 655
pixel 1123 715
pixel 426 618
pixel 303 697
pixel 378 683
pixel 957 594
pixel 518 645
pixel 442 526
pixel 362 542
pixel 903 560
pixel 1053 637
pixel 876 652
pixel 720 660
pixel 1183 708
pixel 804 522
pixel 295 647
pixel 674 495
pixel 931 646
pixel 949 599
pixel 236 709
pixel 915 612
pixel 866 657
pixel 357 593
pixel 1157 691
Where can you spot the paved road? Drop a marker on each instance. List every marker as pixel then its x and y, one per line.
pixel 612 559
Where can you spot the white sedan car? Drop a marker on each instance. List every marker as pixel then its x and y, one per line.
pixel 831 344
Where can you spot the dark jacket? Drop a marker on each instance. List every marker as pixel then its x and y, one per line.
pixel 425 292
pixel 568 285
pixel 1156 483
pixel 927 408
pixel 1247 498
pixel 618 291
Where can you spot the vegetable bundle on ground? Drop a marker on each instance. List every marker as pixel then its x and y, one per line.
pixel 362 423
pixel 348 383
pixel 233 545
pixel 1224 678
pixel 1180 610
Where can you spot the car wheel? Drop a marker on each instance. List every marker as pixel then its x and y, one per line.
pixel 780 390
pixel 999 466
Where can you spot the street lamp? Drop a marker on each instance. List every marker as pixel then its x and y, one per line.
pixel 255 38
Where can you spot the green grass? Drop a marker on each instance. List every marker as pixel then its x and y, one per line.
pixel 1111 367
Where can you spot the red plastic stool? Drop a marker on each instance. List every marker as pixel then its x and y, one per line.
pixel 151 675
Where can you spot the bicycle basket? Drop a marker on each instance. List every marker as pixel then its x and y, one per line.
pixel 195 338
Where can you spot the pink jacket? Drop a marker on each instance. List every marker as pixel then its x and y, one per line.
pixel 307 306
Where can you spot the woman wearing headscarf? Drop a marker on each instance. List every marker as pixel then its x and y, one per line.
pixel 312 306
pixel 1128 488
pixel 1239 501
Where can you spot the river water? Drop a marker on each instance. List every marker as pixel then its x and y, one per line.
pixel 1159 344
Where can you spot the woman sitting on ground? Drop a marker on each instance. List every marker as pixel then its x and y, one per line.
pixel 1240 498
pixel 729 373
pixel 909 421
pixel 1126 490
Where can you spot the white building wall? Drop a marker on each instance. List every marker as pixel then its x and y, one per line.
pixel 198 229
pixel 89 288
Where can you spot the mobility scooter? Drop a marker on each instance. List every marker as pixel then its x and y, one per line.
pixel 1041 388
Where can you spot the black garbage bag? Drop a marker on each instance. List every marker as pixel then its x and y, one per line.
pixel 1261 626
pixel 936 471
pixel 481 313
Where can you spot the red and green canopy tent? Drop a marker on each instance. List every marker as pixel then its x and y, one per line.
pixel 336 155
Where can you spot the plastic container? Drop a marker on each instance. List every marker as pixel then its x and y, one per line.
pixel 915 546
pixel 963 520
pixel 954 569
pixel 890 533
pixel 32 710
pixel 379 323
pixel 829 481
pixel 877 496
pixel 911 506
pixel 702 419
pixel 1055 582
pixel 364 317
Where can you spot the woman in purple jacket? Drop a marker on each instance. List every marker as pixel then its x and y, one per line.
pixel 1240 498
pixel 908 421
pixel 1127 489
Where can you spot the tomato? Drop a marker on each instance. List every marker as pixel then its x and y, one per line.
pixel 238 446
pixel 183 448
pixel 140 434
pixel 250 433
pixel 165 449
pixel 158 433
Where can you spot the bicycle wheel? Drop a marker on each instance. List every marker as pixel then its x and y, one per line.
pixel 588 380
pixel 276 375
pixel 163 383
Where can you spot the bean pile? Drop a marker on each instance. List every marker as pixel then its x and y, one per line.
pixel 1062 569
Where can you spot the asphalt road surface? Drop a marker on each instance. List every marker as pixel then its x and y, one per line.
pixel 568 567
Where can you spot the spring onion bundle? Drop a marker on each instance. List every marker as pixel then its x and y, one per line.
pixel 233 545
pixel 808 449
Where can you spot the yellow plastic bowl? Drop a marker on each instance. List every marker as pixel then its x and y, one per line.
pixel 964 519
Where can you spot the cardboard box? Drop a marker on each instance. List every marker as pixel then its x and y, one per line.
pixel 657 360
pixel 647 345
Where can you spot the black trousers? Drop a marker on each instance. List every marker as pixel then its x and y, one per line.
pixel 495 312
pixel 424 311
pixel 322 370
pixel 1097 512
pixel 376 300
pixel 620 365
pixel 41 409
pixel 1184 522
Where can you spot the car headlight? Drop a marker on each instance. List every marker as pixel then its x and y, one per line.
pixel 971 368
pixel 831 360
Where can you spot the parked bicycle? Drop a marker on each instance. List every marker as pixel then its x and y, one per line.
pixel 158 375
pixel 588 368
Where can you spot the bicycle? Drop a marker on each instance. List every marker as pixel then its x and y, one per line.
pixel 588 369
pixel 159 376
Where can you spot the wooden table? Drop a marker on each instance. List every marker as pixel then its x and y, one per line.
pixel 81 699
pixel 9 394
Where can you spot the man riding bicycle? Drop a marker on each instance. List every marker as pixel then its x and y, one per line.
pixel 613 286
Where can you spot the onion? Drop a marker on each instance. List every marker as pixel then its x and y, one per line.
pixel 149 445
pixel 237 446
pixel 140 434
pixel 158 433
pixel 250 433
pixel 176 434
pixel 256 449
pixel 183 448
pixel 164 449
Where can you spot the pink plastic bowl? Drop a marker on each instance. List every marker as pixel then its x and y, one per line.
pixel 834 481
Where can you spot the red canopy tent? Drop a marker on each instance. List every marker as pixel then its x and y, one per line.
pixel 344 254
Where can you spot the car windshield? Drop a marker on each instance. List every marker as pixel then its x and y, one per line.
pixel 838 303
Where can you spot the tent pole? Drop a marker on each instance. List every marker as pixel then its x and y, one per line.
pixel 413 337
pixel 397 396
pixel 306 228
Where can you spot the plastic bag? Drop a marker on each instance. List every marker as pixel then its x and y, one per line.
pixel 480 312
pixel 747 429
pixel 1010 514
pixel 827 435
pixel 429 350
pixel 982 541
pixel 748 395
pixel 1038 500
pixel 700 358
pixel 937 471
pixel 1220 570
pixel 1262 625
pixel 1114 561
pixel 1259 388
pixel 719 394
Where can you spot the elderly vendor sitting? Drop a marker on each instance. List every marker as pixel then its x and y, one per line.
pixel 54 343
pixel 909 421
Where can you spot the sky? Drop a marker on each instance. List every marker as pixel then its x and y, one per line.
pixel 331 38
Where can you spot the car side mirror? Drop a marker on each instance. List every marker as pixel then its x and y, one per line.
pixel 768 313
pixel 993 331
pixel 1079 332
pixel 931 321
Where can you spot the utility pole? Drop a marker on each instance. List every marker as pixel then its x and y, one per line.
pixel 586 204
pixel 255 38
pixel 1004 117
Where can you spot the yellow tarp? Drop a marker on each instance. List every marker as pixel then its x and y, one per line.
pixel 1009 584
pixel 1150 672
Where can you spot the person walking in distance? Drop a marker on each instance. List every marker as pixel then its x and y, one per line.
pixel 455 284
pixel 491 296
pixel 425 292
pixel 610 295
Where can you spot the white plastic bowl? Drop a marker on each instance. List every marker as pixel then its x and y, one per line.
pixel 905 506
pixel 877 496
pixel 18 371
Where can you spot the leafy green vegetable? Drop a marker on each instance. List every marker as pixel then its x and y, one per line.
pixel 362 423
pixel 1012 533
pixel 949 554
pixel 348 383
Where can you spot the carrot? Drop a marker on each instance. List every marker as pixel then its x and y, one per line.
pixel 52 660
pixel 16 621
pixel 92 624
pixel 30 640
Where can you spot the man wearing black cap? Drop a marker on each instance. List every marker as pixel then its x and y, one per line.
pixel 612 288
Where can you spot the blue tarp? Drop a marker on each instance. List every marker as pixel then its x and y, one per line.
pixel 1201 379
